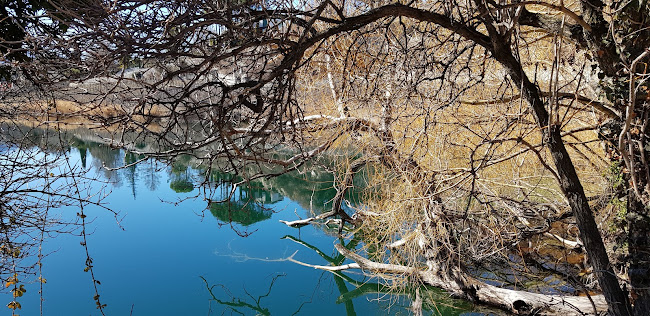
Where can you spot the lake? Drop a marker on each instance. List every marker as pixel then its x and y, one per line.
pixel 168 251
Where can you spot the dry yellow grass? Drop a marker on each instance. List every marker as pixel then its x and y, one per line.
pixel 489 149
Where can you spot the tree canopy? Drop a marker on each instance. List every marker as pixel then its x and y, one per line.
pixel 481 125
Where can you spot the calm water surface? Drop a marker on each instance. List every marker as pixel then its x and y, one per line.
pixel 163 255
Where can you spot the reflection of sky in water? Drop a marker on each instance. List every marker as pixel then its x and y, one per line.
pixel 151 263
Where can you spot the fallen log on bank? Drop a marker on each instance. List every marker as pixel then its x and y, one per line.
pixel 466 287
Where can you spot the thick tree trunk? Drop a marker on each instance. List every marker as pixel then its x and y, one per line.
pixel 571 187
pixel 589 233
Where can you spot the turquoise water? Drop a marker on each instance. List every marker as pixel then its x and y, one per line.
pixel 170 252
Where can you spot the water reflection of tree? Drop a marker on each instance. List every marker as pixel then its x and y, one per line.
pixel 105 159
pixel 130 160
pixel 180 177
pixel 150 174
pixel 242 306
pixel 427 298
pixel 117 165
pixel 108 161
pixel 312 186
pixel 245 205
pixel 245 215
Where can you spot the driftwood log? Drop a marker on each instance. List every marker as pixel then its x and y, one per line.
pixel 467 287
